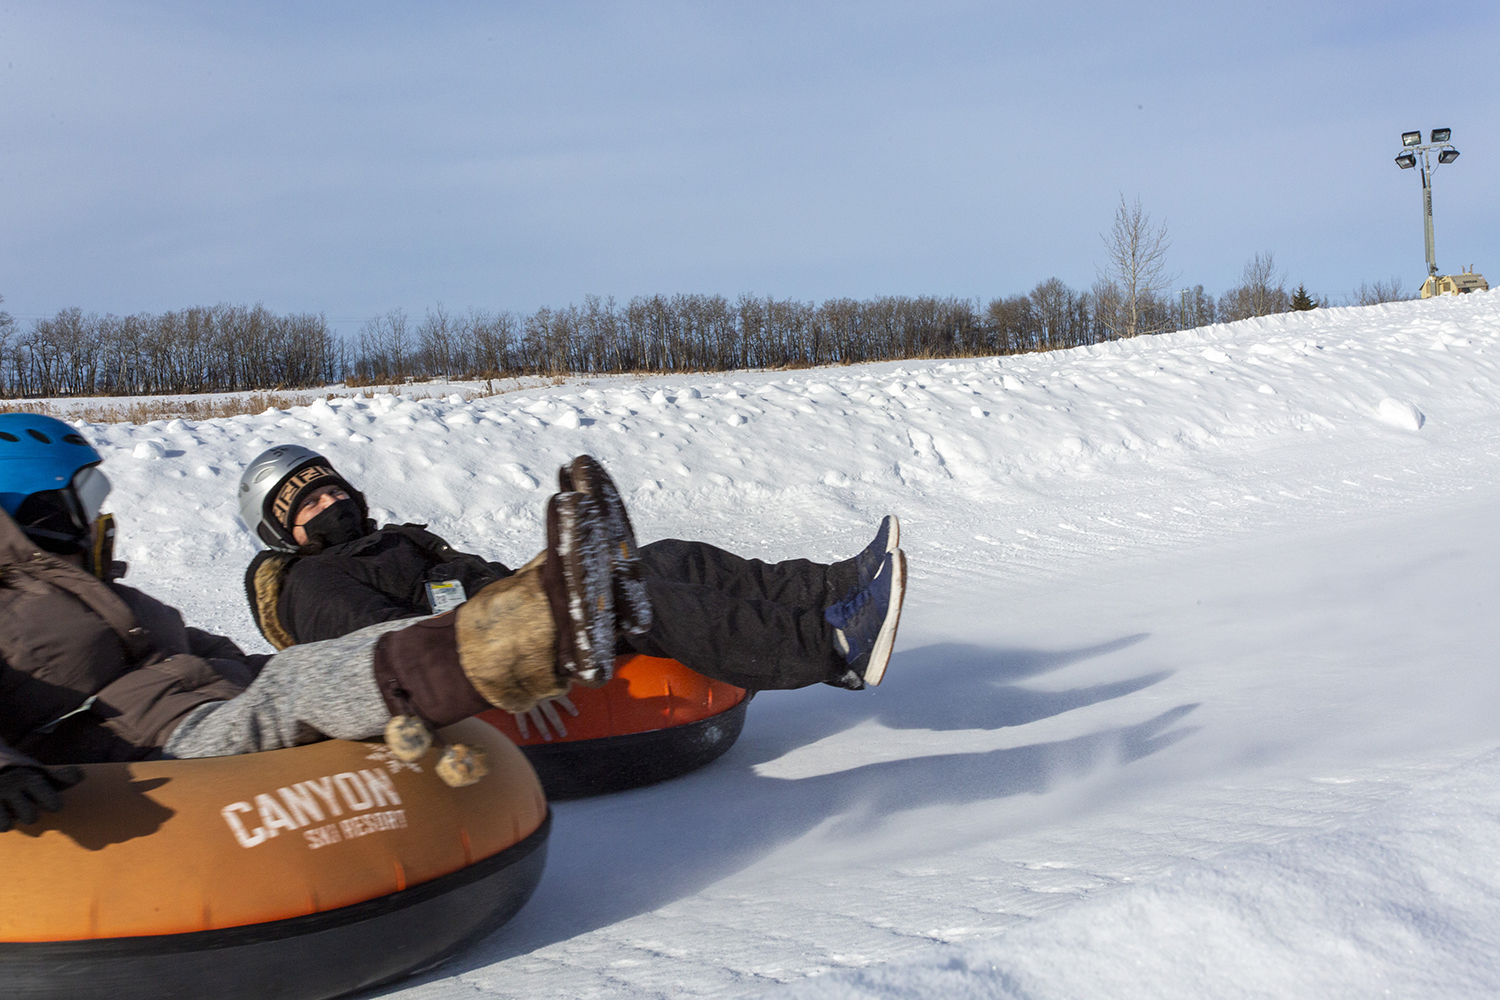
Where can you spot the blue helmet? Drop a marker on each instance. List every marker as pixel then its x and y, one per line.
pixel 48 480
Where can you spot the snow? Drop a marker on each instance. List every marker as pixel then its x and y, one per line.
pixel 1195 692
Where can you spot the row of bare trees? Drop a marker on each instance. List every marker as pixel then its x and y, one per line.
pixel 235 348
pixel 671 333
pixel 219 349
pixel 712 333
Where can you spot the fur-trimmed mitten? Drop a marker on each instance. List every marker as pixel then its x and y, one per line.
pixel 507 642
pixel 523 639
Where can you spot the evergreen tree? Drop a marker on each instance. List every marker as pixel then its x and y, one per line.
pixel 1301 301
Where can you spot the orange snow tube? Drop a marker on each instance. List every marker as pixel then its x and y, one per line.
pixel 304 873
pixel 656 719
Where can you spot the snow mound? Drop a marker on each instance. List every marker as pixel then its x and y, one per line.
pixel 1399 413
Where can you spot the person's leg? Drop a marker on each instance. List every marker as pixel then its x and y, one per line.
pixel 756 644
pixel 307 693
pixel 752 623
pixel 796 583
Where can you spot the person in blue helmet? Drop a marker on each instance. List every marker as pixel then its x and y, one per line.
pixel 94 671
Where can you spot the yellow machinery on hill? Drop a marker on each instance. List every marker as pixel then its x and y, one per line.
pixel 1454 284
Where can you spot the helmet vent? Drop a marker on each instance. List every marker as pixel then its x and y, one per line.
pixel 39 436
pixel 75 439
pixel 8 436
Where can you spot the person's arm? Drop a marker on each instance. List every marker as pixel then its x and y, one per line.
pixel 27 789
pixel 473 572
pixel 316 604
pixel 212 647
pixel 225 655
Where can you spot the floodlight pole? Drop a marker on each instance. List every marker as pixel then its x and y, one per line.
pixel 1414 154
pixel 1427 214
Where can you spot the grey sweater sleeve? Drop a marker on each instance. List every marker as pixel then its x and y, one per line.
pixel 306 693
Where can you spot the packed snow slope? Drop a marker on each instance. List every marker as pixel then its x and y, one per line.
pixel 1196 692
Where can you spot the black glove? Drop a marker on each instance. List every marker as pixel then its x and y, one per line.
pixel 25 791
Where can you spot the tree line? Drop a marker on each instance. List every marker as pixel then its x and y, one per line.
pixel 221 348
pixel 229 348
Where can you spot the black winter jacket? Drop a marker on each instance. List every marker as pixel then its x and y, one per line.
pixel 310 597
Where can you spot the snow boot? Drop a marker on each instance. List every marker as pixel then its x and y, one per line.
pixel 632 604
pixel 865 623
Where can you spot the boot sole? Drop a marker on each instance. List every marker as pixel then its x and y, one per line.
pixel 632 603
pixel 892 543
pixel 583 552
pixel 893 539
pixel 561 538
pixel 885 642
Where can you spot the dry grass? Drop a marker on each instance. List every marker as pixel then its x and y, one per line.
pixel 144 410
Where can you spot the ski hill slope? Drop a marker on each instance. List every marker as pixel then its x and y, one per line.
pixel 1196 691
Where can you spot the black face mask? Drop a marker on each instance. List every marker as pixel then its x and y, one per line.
pixel 336 524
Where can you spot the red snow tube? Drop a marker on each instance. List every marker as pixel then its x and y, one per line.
pixel 302 874
pixel 656 719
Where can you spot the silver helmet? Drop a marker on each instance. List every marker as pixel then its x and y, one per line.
pixel 274 484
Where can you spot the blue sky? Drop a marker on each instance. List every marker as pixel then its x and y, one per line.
pixel 350 158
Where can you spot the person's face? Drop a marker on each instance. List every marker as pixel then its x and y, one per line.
pixel 312 509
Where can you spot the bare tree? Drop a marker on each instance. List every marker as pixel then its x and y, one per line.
pixel 1053 305
pixel 7 330
pixel 1137 267
pixel 1266 285
pixel 387 346
pixel 1108 305
pixel 436 336
pixel 226 348
pixel 1261 291
pixel 1380 291
pixel 1193 308
pixel 1012 323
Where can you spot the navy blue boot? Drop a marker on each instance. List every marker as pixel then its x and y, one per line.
pixel 865 622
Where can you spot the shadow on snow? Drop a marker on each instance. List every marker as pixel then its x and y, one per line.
pixel 618 856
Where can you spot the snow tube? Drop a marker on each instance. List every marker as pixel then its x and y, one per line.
pixel 656 719
pixel 303 873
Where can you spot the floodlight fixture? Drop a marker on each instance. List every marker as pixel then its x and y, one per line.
pixel 1441 134
pixel 1411 138
pixel 1406 161
pixel 1448 156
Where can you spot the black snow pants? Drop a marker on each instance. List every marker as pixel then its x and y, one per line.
pixel 749 623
